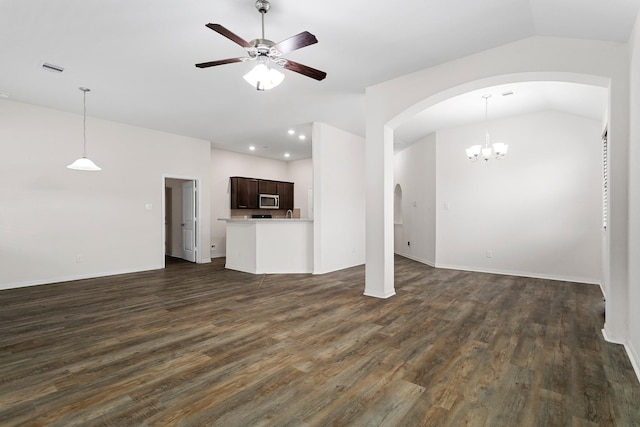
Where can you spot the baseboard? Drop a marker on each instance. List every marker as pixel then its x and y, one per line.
pixel 632 353
pixel 573 279
pixel 72 278
pixel 417 259
pixel 634 357
pixel 240 268
pixel 381 296
pixel 334 269
pixel 611 339
pixel 218 255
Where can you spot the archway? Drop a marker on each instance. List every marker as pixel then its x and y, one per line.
pixel 536 58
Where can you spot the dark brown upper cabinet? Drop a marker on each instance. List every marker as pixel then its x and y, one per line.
pixel 244 193
pixel 267 187
pixel 285 191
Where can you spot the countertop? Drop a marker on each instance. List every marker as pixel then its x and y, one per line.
pixel 265 219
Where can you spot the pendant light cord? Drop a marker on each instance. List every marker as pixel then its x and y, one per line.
pixel 84 122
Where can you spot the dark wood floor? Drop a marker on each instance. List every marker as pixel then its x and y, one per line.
pixel 198 345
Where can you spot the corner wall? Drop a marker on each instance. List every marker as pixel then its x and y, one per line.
pixel 633 343
pixel 538 211
pixel 58 224
pixel 415 172
pixel 339 204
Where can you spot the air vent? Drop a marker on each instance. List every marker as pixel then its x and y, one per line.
pixel 52 68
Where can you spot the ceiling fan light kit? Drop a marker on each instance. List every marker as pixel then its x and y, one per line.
pixel 499 148
pixel 264 51
pixel 264 78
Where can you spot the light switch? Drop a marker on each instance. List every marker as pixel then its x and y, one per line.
pixel 148 207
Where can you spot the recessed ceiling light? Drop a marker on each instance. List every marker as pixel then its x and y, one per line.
pixel 287 155
pixel 252 147
pixel 302 137
pixel 291 131
pixel 507 93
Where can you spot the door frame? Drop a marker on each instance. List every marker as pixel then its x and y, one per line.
pixel 198 211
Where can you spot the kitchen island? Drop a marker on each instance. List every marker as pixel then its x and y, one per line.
pixel 265 245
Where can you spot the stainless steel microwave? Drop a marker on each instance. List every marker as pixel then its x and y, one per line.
pixel 269 201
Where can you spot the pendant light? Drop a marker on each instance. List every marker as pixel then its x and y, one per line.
pixel 83 163
pixel 499 148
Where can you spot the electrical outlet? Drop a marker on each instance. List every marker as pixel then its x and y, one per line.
pixel 78 258
pixel 408 243
pixel 489 253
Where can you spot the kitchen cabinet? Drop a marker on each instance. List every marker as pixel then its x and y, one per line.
pixel 285 191
pixel 267 187
pixel 244 193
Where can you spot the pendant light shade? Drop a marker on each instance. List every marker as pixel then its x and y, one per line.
pixel 83 163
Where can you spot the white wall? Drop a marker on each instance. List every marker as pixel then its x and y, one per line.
pixel 634 203
pixel 339 204
pixel 415 171
pixel 225 164
pixel 300 172
pixel 58 224
pixel 538 211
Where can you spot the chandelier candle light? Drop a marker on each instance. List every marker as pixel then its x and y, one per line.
pixel 499 148
pixel 83 163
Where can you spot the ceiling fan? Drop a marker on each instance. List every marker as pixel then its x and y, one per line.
pixel 264 51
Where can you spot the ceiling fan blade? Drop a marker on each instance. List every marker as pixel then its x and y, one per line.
pixel 219 62
pixel 296 42
pixel 305 70
pixel 228 34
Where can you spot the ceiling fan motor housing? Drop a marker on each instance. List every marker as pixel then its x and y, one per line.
pixel 263 6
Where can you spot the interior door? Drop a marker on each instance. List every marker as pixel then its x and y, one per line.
pixel 189 225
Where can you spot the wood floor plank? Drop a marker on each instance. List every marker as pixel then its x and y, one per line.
pixel 199 345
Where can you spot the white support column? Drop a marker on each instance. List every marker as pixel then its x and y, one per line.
pixel 379 214
pixel 616 306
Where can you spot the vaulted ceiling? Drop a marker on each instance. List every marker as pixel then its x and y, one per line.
pixel 138 59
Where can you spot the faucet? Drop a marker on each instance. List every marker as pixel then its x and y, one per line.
pixel 287 214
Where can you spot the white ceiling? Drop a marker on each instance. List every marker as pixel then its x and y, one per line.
pixel 506 100
pixel 138 59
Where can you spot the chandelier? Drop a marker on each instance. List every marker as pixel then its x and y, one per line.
pixel 499 150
